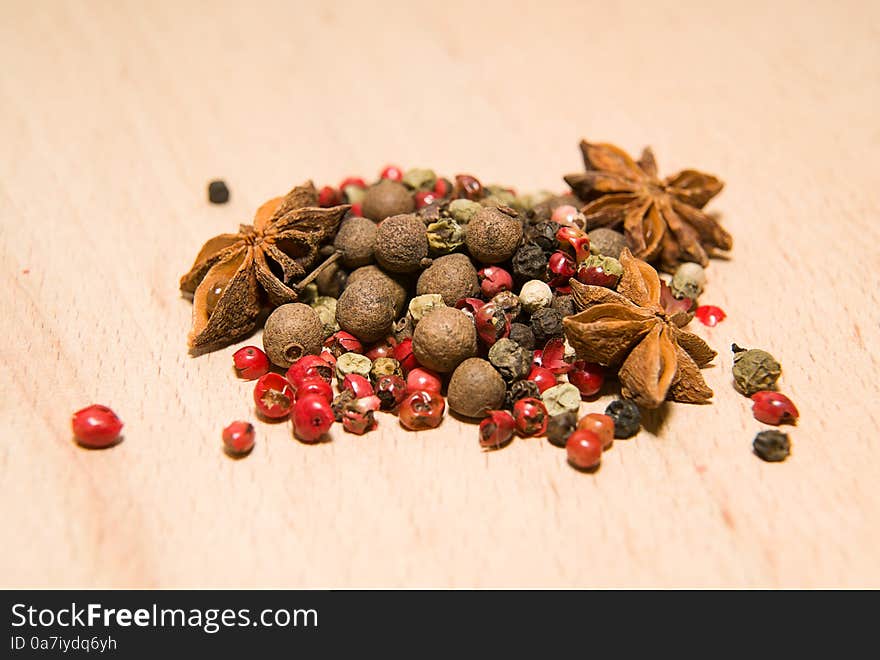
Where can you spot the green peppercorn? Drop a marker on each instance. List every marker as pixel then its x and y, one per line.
pixel 754 370
pixel 421 305
pixel 352 363
pixel 445 236
pixel 511 360
pixel 385 366
pixel 325 306
pixel 463 210
pixel 772 446
pixel 561 398
pixel 419 178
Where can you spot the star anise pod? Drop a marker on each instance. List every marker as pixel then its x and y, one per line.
pixel 631 330
pixel 234 275
pixel 662 218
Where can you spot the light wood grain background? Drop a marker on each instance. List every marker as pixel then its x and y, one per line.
pixel 113 117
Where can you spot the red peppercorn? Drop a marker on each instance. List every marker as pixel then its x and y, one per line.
pixel 309 366
pixel 238 438
pixel 497 429
pixel 530 417
pixel 710 315
pixel 328 196
pixel 564 215
pixel 391 390
pixel 403 353
pixel 560 269
pixel 355 181
pixel 468 186
pixel 575 239
pixel 358 419
pixel 423 379
pixel 538 358
pixel 601 425
pixel 274 396
pixel 553 357
pixel 96 427
pixel 774 408
pixel 391 172
pixel 425 198
pixel 358 385
pixel 329 358
pixel 470 306
pixel 343 342
pixel 494 280
pixel 492 323
pixel 442 187
pixel 357 209
pixel 312 418
pixel 384 348
pixel 421 410
pixel 588 377
pixel 542 377
pixel 250 362
pixel 314 385
pixel 596 276
pixel 584 450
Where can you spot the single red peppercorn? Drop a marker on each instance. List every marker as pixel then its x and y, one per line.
pixel 425 198
pixel 314 385
pixel 391 172
pixel 588 377
pixel 309 366
pixel 542 377
pixel 421 410
pixel 343 342
pixel 403 353
pixel 423 379
pixel 530 417
pixel 442 187
pixel 358 419
pixel 553 357
pixel 358 385
pixel 710 315
pixel 494 280
pixel 773 408
pixel 565 215
pixel 328 196
pixel 470 306
pixel 238 438
pixel 497 429
pixel 96 427
pixel 468 186
pixel 492 323
pixel 391 390
pixel 274 396
pixel 384 348
pixel 574 239
pixel 560 269
pixel 596 276
pixel 584 450
pixel 601 425
pixel 355 181
pixel 312 418
pixel 250 362
pixel 329 358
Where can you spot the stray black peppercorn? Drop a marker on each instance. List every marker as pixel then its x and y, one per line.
pixel 772 446
pixel 530 263
pixel 546 325
pixel 559 427
pixel 521 389
pixel 218 192
pixel 627 417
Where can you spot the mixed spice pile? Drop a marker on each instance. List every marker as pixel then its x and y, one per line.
pixel 415 293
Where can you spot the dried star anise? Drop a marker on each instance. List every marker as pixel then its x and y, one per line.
pixel 235 274
pixel 631 329
pixel 662 218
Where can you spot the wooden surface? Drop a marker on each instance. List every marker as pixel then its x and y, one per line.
pixel 113 117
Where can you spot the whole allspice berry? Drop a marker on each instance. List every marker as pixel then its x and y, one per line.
pixel 475 388
pixel 378 279
pixel 443 338
pixel 366 311
pixel 402 244
pixel 606 242
pixel 453 277
pixel 356 239
pixel 493 235
pixel 385 199
pixel 291 331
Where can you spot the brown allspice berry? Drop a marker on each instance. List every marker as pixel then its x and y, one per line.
pixel 379 279
pixel 494 234
pixel 453 277
pixel 385 199
pixel 291 331
pixel 475 388
pixel 356 240
pixel 443 339
pixel 402 244
pixel 366 311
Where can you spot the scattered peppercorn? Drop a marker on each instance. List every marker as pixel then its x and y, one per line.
pixel 356 239
pixel 443 339
pixel 529 263
pixel 312 418
pixel 310 366
pixel 492 323
pixel 463 210
pixel 402 244
pixel 584 450
pixel 314 385
pixel 96 427
pixel 291 331
pixel 391 390
pixel 546 324
pixel 421 305
pixel 238 438
pixel 560 426
pixel 366 311
pixel 772 446
pixel 331 280
pixel 453 277
pixel 598 270
pixel 218 192
pixel 754 370
pixel 511 360
pixel 688 281
pixel 493 235
pixel 773 408
pixel 419 178
pixel 385 199
pixel 522 335
pixel 626 416
pixel 421 410
pixel 274 396
pixel 325 307
pixel 601 425
pixel 475 388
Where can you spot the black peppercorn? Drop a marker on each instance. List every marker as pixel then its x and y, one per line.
pixel 521 389
pixel 559 427
pixel 218 192
pixel 546 325
pixel 543 235
pixel 627 417
pixel 522 335
pixel 772 446
pixel 530 263
pixel 564 304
